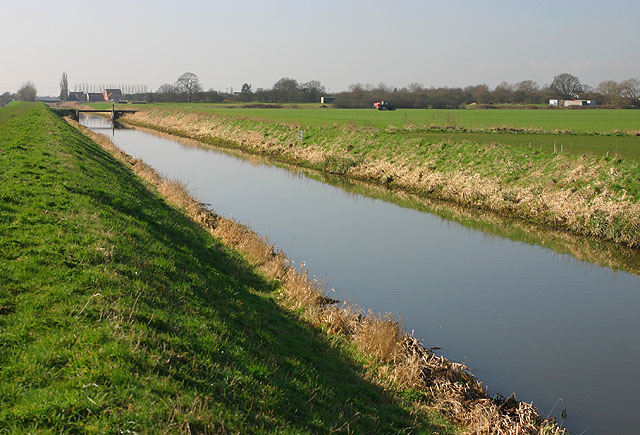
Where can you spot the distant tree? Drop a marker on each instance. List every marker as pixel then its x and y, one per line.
pixel 286 90
pixel 246 94
pixel 630 92
pixel 5 98
pixel 356 88
pixel 382 87
pixel 286 84
pixel 312 91
pixel 591 93
pixel 167 89
pixel 168 93
pixel 188 83
pixel 64 87
pixel 526 91
pixel 210 96
pixel 527 86
pixel 479 94
pixel 415 87
pixel 610 92
pixel 565 86
pixel 503 93
pixel 27 92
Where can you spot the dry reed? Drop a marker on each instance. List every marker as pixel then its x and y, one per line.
pixel 400 359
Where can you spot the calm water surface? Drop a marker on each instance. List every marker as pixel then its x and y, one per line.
pixel 557 331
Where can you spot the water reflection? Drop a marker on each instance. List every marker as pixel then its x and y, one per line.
pixel 532 311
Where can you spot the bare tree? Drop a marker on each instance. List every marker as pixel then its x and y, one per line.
pixel 383 87
pixel 356 88
pixel 167 89
pixel 27 92
pixel 415 87
pixel 64 87
pixel 630 92
pixel 189 83
pixel 610 91
pixel 565 86
pixel 313 90
pixel 479 93
pixel 503 93
pixel 527 86
pixel 526 91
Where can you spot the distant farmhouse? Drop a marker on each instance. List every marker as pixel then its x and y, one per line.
pixel 106 95
pixel 77 96
pixel 95 96
pixel 567 103
pixel 112 95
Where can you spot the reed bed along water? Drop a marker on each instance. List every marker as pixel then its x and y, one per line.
pixel 395 359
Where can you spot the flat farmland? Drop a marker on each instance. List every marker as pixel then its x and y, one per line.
pixel 627 147
pixel 591 131
pixel 589 121
pixel 577 121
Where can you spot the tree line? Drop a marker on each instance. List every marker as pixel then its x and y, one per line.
pixel 564 87
pixel 527 92
pixel 187 88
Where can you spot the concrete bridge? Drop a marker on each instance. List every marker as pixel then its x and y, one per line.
pixel 115 113
pixel 75 113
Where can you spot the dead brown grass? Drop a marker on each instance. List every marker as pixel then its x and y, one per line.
pixel 399 360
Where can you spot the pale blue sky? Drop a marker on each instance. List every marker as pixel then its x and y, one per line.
pixel 456 43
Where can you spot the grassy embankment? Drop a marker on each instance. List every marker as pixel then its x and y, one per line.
pixel 584 188
pixel 119 313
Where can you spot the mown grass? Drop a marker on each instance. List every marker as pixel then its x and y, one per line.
pixel 576 121
pixel 120 314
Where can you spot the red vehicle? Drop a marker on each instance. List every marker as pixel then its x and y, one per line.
pixel 383 105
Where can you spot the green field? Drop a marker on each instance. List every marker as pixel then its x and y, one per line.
pixel 627 147
pixel 600 132
pixel 577 121
pixel 118 314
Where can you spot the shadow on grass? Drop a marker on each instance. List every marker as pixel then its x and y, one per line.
pixel 200 343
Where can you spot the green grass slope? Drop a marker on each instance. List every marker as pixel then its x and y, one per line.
pixel 118 313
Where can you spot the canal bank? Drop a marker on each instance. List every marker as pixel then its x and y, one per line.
pixel 395 359
pixel 581 194
pixel 118 313
pixel 521 315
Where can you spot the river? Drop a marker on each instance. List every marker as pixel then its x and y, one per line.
pixel 545 316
